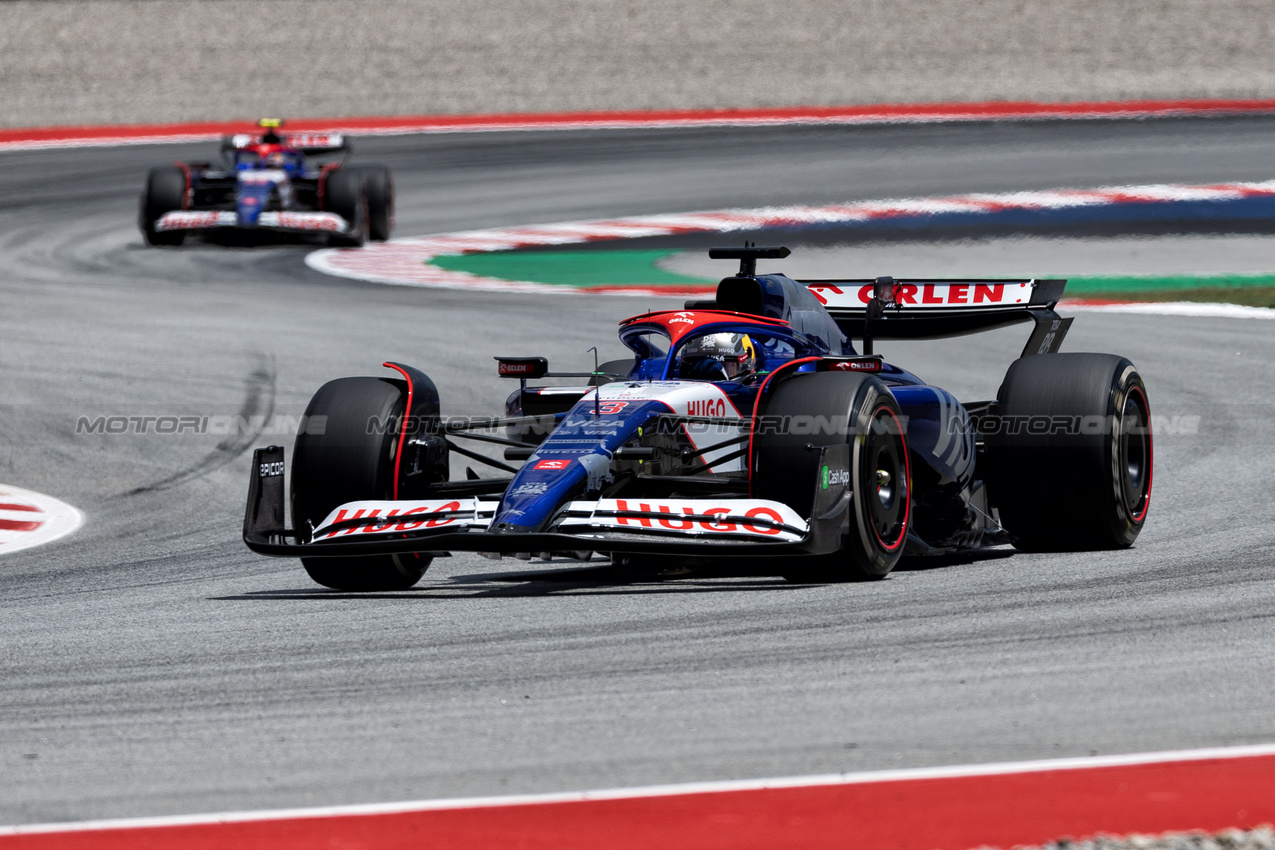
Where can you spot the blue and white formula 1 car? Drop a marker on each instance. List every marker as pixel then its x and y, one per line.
pixel 269 181
pixel 743 427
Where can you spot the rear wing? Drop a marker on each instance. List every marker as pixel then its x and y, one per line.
pixel 886 308
pixel 310 143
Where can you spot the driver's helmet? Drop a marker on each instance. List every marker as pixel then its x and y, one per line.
pixel 717 357
pixel 276 159
pixel 271 135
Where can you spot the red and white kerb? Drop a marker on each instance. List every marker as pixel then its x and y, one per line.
pixel 31 519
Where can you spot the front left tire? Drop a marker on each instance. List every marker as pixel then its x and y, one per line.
pixel 380 201
pixel 345 193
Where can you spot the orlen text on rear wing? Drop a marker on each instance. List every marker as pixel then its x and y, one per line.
pixel 311 143
pixel 886 308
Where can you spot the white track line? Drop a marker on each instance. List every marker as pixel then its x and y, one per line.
pixel 1174 308
pixel 911 774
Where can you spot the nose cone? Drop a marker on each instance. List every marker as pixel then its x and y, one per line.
pixel 536 492
pixel 249 203
pixel 253 195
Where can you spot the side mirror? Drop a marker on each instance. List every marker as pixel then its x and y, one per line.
pixel 522 367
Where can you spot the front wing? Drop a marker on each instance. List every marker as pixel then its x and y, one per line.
pixel 291 221
pixel 703 527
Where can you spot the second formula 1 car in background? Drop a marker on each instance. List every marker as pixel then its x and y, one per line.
pixel 271 181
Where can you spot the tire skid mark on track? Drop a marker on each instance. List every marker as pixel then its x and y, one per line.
pixel 256 410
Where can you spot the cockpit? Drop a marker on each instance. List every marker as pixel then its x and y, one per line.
pixel 267 157
pixel 743 358
pixel 712 346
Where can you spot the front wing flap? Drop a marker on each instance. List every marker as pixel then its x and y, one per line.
pixel 292 221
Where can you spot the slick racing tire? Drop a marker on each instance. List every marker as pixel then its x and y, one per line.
pixel 165 192
pixel 849 408
pixel 345 193
pixel 1071 452
pixel 380 201
pixel 344 464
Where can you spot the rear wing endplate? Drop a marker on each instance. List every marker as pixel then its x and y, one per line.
pixel 886 308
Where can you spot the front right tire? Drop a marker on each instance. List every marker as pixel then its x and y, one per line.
pixel 165 192
pixel 351 460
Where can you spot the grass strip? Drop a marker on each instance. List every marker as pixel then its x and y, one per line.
pixel 603 268
pixel 1139 284
pixel 570 268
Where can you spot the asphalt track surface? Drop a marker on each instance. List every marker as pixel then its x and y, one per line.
pixel 151 665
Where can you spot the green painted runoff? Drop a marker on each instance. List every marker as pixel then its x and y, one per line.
pixel 625 267
pixel 571 268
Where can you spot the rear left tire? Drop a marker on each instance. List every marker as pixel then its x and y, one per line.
pixel 1071 459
